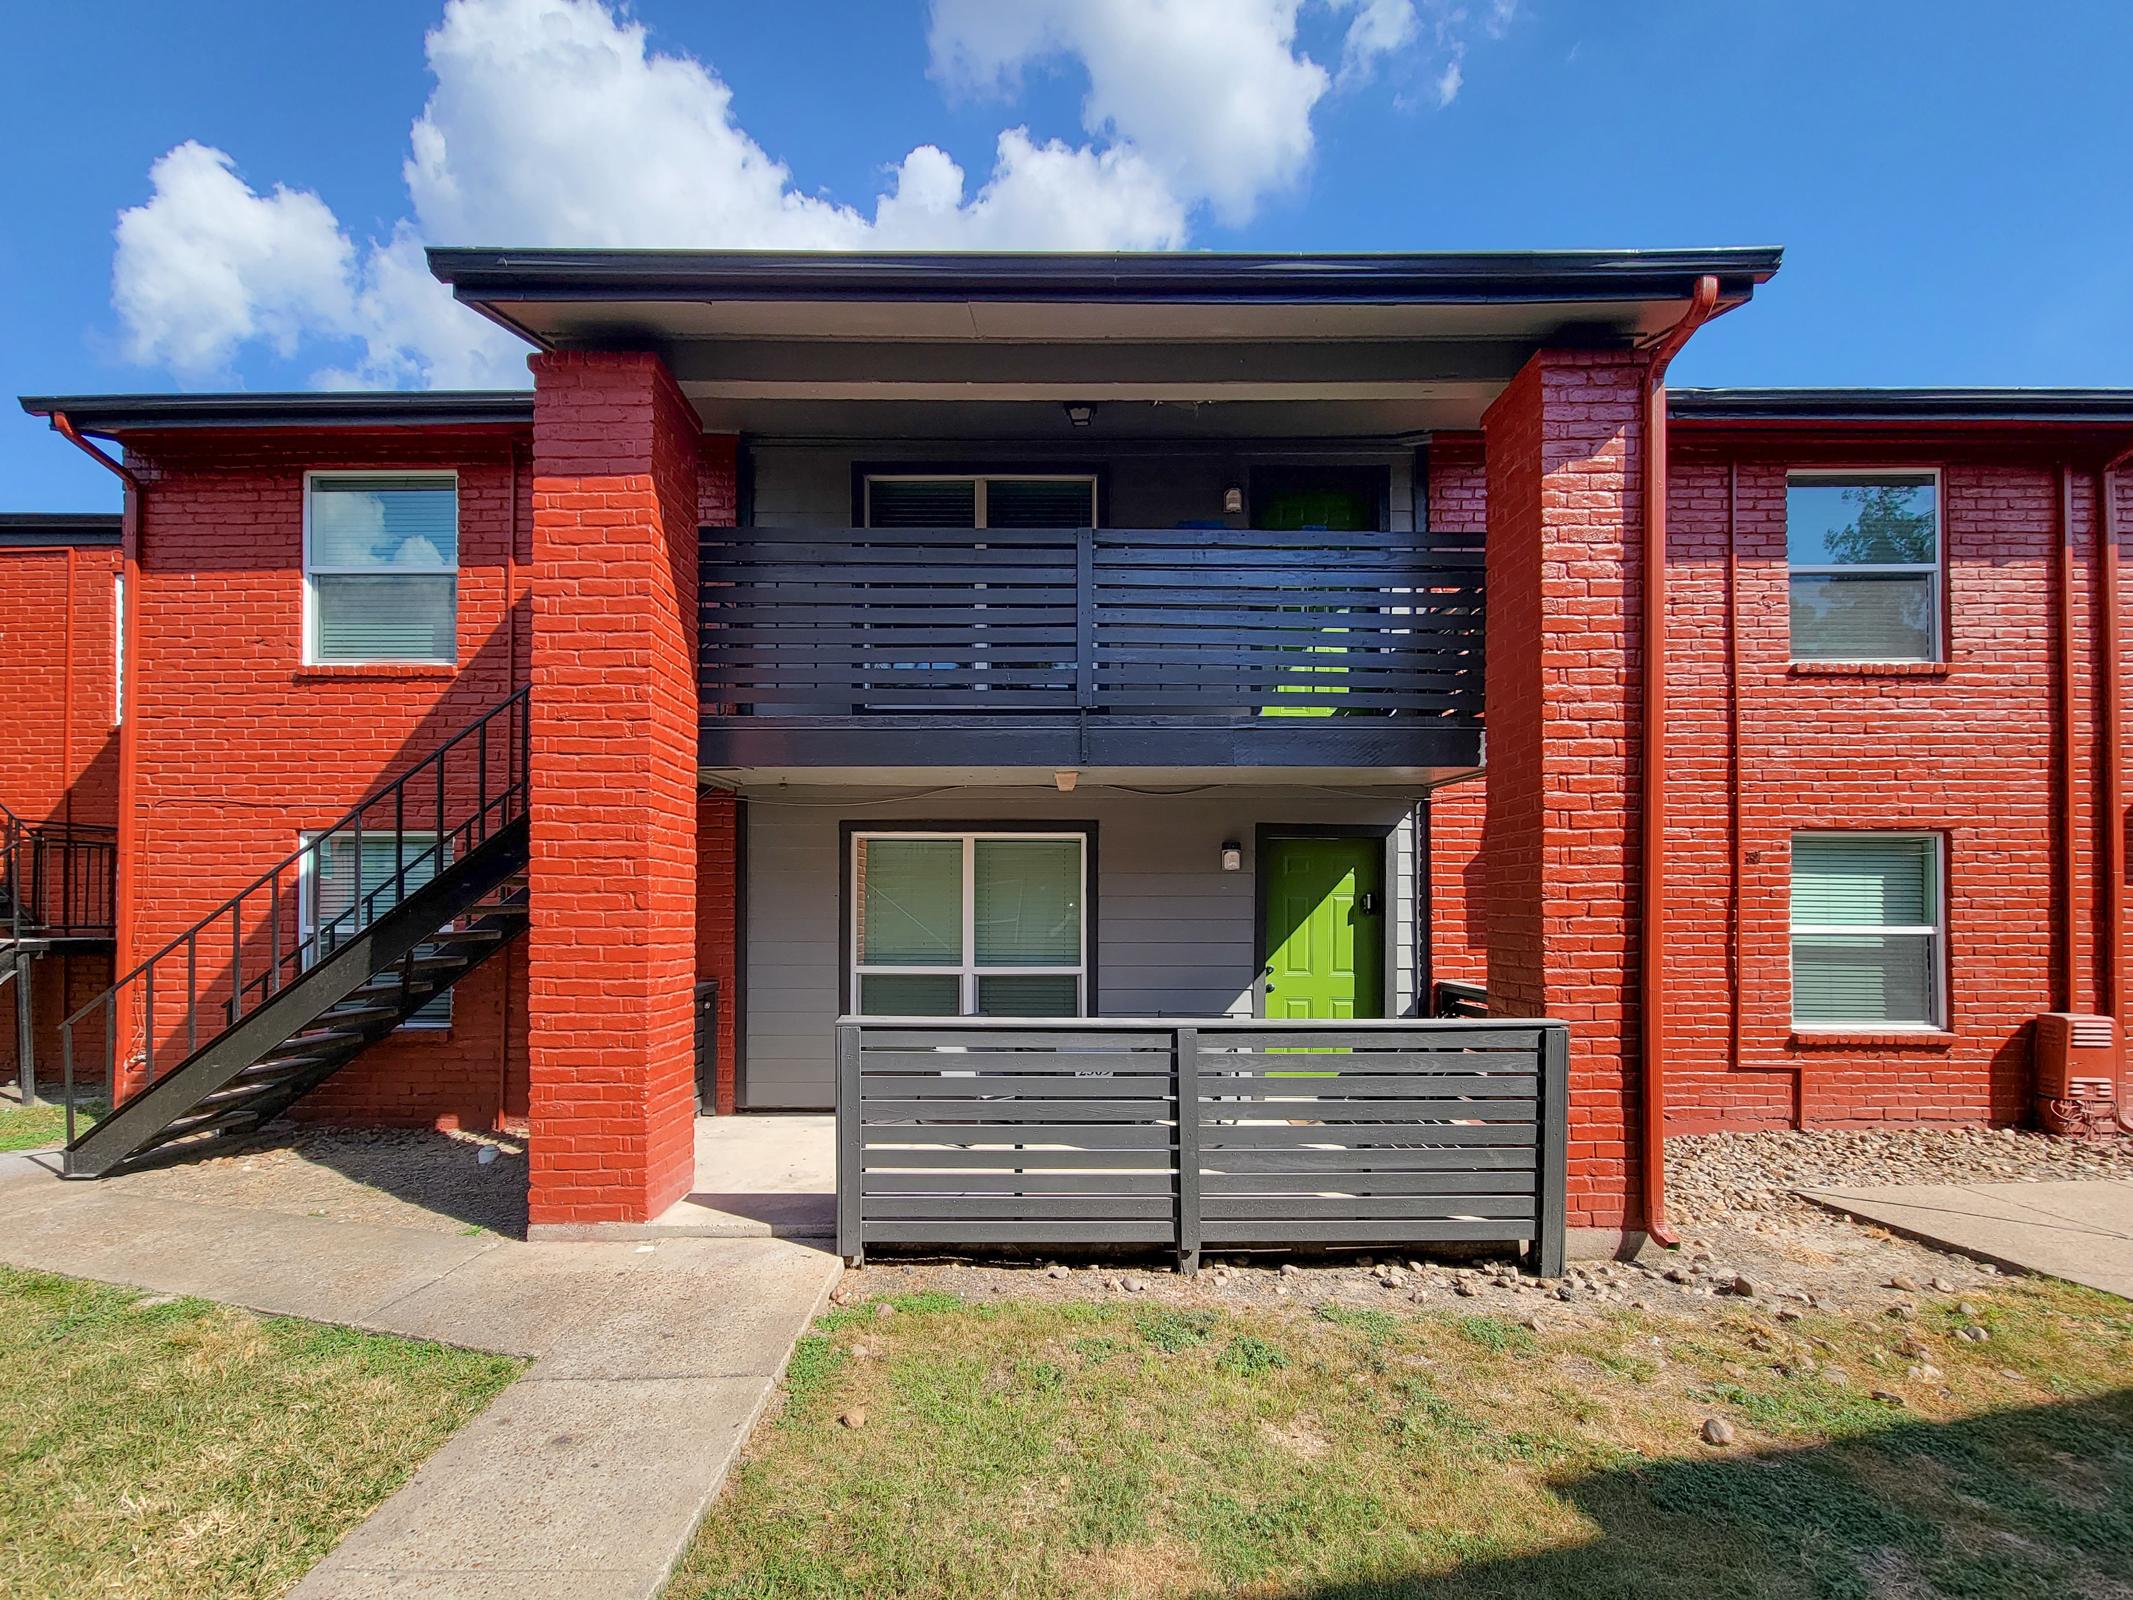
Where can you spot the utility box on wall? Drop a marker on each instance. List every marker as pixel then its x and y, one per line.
pixel 2076 1072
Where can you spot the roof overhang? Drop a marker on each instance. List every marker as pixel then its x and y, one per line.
pixel 114 415
pixel 58 528
pixel 1905 407
pixel 804 342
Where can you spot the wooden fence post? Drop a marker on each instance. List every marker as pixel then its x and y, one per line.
pixel 1187 1079
pixel 850 1244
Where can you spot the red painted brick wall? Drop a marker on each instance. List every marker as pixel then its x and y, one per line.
pixel 58 742
pixel 1561 862
pixel 240 748
pixel 1764 749
pixel 1759 749
pixel 613 955
pixel 59 750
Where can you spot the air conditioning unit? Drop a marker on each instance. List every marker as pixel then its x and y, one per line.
pixel 2076 1072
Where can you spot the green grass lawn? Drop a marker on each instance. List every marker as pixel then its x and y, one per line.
pixel 188 1449
pixel 1116 1448
pixel 34 1127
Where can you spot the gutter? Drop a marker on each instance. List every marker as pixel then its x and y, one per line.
pixel 2110 621
pixel 1651 1006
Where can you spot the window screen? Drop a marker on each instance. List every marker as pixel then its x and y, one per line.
pixel 1866 939
pixel 382 562
pixel 335 886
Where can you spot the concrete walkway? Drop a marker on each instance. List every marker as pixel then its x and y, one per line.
pixel 2082 1232
pixel 585 1478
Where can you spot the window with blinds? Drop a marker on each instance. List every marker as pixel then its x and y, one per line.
pixel 1864 556
pixel 381 567
pixel 1067 501
pixel 390 872
pixel 974 924
pixel 1866 930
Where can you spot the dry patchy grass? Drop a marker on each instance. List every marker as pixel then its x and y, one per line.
pixel 34 1127
pixel 1112 1448
pixel 154 1448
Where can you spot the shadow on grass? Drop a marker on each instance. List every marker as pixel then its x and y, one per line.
pixel 2035 1502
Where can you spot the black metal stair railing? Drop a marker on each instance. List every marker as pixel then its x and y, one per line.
pixel 56 878
pixel 259 941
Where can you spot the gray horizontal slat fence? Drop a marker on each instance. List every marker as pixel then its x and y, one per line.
pixel 967 1131
pixel 1226 624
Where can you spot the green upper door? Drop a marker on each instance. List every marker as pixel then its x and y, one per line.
pixel 1325 927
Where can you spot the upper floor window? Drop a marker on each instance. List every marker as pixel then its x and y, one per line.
pixel 381 567
pixel 1865 554
pixel 1045 501
pixel 1866 930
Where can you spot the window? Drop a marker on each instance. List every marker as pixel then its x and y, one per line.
pixel 1866 930
pixel 1043 501
pixel 118 648
pixel 381 567
pixel 332 883
pixel 1864 549
pixel 969 924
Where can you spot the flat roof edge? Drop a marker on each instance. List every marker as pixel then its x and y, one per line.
pixel 488 274
pixel 59 528
pixel 1912 405
pixel 111 413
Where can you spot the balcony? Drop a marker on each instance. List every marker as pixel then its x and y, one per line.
pixel 1105 647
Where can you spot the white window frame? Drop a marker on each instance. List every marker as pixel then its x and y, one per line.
pixel 118 648
pixel 307 917
pixel 1936 931
pixel 969 971
pixel 980 480
pixel 443 475
pixel 1934 570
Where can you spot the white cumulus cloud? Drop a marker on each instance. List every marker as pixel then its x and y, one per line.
pixel 557 122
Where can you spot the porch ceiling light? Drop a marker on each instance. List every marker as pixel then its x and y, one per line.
pixel 1081 415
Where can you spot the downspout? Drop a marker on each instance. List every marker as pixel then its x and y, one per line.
pixel 2113 759
pixel 2069 755
pixel 136 510
pixel 1652 923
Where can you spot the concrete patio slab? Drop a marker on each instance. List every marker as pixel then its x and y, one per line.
pixel 2082 1232
pixel 759 1175
pixel 584 1479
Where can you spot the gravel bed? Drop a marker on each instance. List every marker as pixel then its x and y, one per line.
pixel 392 1177
pixel 1752 1175
pixel 1747 1240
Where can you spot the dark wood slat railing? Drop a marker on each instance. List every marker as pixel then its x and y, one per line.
pixel 1227 625
pixel 976 1132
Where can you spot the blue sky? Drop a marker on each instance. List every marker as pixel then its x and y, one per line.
pixel 1951 190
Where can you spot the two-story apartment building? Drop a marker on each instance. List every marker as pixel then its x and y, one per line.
pixel 1056 636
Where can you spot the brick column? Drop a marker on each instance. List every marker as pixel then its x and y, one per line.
pixel 1561 858
pixel 611 956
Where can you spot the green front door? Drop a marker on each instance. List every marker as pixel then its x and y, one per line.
pixel 1325 927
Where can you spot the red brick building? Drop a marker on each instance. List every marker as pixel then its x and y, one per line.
pixel 1009 635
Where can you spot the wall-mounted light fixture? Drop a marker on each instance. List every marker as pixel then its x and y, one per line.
pixel 1080 415
pixel 1233 501
pixel 1232 856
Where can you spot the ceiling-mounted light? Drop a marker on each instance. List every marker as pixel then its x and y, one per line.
pixel 1233 501
pixel 1081 415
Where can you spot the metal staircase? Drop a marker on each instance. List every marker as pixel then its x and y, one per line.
pixel 330 950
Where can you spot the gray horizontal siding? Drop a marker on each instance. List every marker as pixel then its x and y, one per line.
pixel 1175 934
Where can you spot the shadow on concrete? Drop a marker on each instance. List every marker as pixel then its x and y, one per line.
pixel 2032 1502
